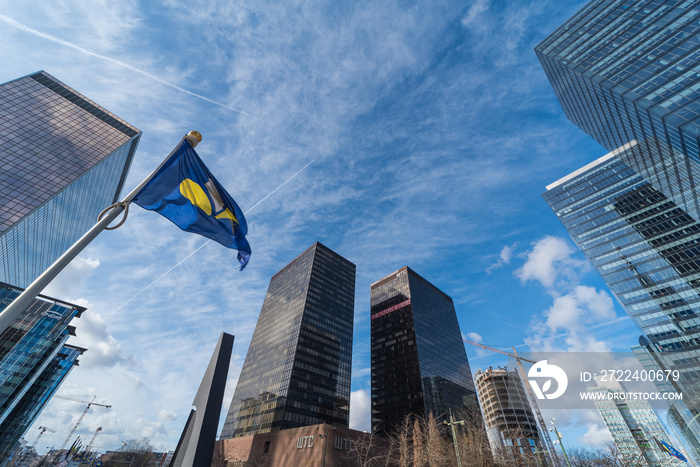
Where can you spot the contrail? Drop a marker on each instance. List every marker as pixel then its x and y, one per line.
pixel 204 244
pixel 58 40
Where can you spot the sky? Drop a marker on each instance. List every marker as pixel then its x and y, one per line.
pixel 397 133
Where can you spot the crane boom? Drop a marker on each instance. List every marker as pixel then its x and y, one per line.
pixel 43 430
pixel 89 404
pixel 533 399
pixel 486 347
pixel 92 441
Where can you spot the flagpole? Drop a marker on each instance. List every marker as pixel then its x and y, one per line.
pixel 18 305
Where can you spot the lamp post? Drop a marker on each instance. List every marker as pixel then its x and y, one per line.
pixel 452 424
pixel 324 438
pixel 554 429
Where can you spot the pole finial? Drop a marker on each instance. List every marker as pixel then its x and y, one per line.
pixel 194 137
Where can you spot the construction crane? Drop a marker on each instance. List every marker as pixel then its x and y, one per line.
pixel 526 383
pixel 43 429
pixel 89 404
pixel 92 441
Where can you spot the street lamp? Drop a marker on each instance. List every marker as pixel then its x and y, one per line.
pixel 452 424
pixel 324 438
pixel 554 429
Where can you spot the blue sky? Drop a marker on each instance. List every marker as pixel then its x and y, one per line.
pixel 428 131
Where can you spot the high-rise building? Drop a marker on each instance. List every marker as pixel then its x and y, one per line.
pixel 297 370
pixel 627 71
pixel 511 426
pixel 34 361
pixel 633 425
pixel 64 159
pixel 419 364
pixel 647 250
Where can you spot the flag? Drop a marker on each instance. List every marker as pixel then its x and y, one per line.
pixel 74 447
pixel 670 450
pixel 185 192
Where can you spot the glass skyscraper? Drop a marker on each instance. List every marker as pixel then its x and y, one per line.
pixel 419 363
pixel 633 425
pixel 647 249
pixel 297 370
pixel 629 71
pixel 63 160
pixel 34 360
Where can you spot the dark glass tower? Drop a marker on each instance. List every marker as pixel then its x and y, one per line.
pixel 419 364
pixel 297 370
pixel 647 249
pixel 627 71
pixel 34 360
pixel 63 160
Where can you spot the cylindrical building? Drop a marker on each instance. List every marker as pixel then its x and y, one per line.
pixel 511 425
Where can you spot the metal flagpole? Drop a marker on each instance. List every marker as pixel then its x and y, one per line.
pixel 14 309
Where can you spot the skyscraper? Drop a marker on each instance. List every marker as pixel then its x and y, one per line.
pixel 627 71
pixel 419 364
pixel 34 361
pixel 63 160
pixel 633 425
pixel 297 370
pixel 511 426
pixel 647 249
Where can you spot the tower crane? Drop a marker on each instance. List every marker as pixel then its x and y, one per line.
pixel 526 383
pixel 43 429
pixel 89 404
pixel 92 441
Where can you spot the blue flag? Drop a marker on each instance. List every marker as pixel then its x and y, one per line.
pixel 670 450
pixel 184 191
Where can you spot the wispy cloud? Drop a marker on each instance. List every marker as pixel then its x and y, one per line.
pixel 57 40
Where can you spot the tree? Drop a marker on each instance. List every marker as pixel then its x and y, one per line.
pixel 474 447
pixel 135 452
pixel 370 450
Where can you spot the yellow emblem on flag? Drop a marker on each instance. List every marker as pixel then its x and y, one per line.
pixel 197 196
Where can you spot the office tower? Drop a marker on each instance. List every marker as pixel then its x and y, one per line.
pixel 64 159
pixel 626 72
pixel 633 425
pixel 297 370
pixel 646 248
pixel 511 426
pixel 419 364
pixel 34 361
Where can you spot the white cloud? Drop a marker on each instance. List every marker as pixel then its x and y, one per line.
pixel 597 436
pixel 103 349
pixel 71 278
pixel 477 8
pixel 576 308
pixel 583 307
pixel 550 260
pixel 474 337
pixel 503 258
pixel 360 411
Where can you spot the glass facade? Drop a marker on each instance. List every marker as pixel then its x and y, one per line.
pixel 35 398
pixel 633 425
pixel 419 363
pixel 63 160
pixel 511 426
pixel 34 359
pixel 297 370
pixel 647 249
pixel 629 71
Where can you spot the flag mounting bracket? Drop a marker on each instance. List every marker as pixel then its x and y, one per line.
pixel 121 204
